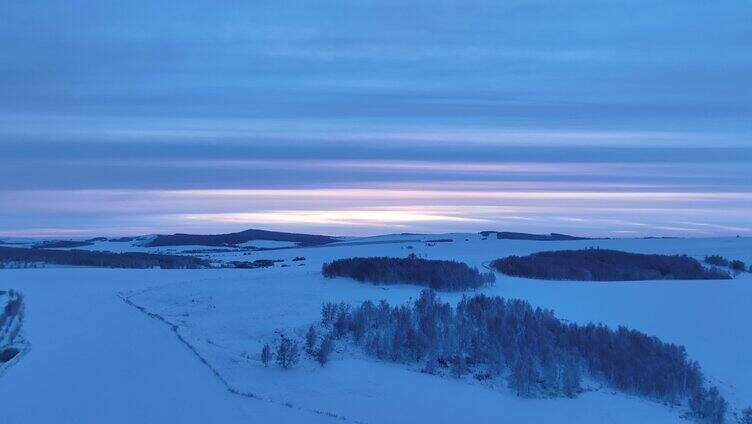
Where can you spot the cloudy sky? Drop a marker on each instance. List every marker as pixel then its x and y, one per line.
pixel 609 118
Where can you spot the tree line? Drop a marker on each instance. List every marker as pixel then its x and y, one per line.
pixel 535 352
pixel 436 274
pixel 606 265
pixel 233 239
pixel 76 257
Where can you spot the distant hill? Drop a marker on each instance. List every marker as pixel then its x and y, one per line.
pixel 237 238
pixel 58 244
pixel 526 236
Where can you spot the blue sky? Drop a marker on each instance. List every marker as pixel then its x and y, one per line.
pixel 353 117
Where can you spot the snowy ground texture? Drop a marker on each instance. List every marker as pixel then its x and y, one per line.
pixel 229 319
pixel 99 359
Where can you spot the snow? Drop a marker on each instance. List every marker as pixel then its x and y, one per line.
pixel 95 359
pixel 229 319
pixel 113 363
pixel 357 388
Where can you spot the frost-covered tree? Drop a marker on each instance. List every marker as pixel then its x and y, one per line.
pixel 523 376
pixel 459 366
pixel 266 355
pixel 570 377
pixel 708 405
pixel 536 352
pixel 310 340
pixel 746 417
pixel 324 350
pixel 288 352
pixel 342 322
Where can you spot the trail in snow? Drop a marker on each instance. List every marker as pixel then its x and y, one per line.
pixel 97 360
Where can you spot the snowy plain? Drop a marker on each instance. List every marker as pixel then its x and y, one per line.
pixel 97 359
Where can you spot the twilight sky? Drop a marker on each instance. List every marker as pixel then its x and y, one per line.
pixel 607 118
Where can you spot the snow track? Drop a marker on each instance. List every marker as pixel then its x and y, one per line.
pixel 95 360
pixel 175 329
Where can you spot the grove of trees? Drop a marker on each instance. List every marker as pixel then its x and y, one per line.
pixel 436 274
pixel 12 255
pixel 605 265
pixel 736 265
pixel 716 260
pixel 536 353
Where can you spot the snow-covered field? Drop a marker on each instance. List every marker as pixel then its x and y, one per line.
pixel 98 359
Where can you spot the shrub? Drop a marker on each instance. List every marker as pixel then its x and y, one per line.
pixel 605 265
pixel 436 274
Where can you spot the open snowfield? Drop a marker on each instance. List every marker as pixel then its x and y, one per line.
pixel 95 358
pixel 229 319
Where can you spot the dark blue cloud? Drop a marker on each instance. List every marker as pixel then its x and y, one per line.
pixel 134 95
pixel 596 63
